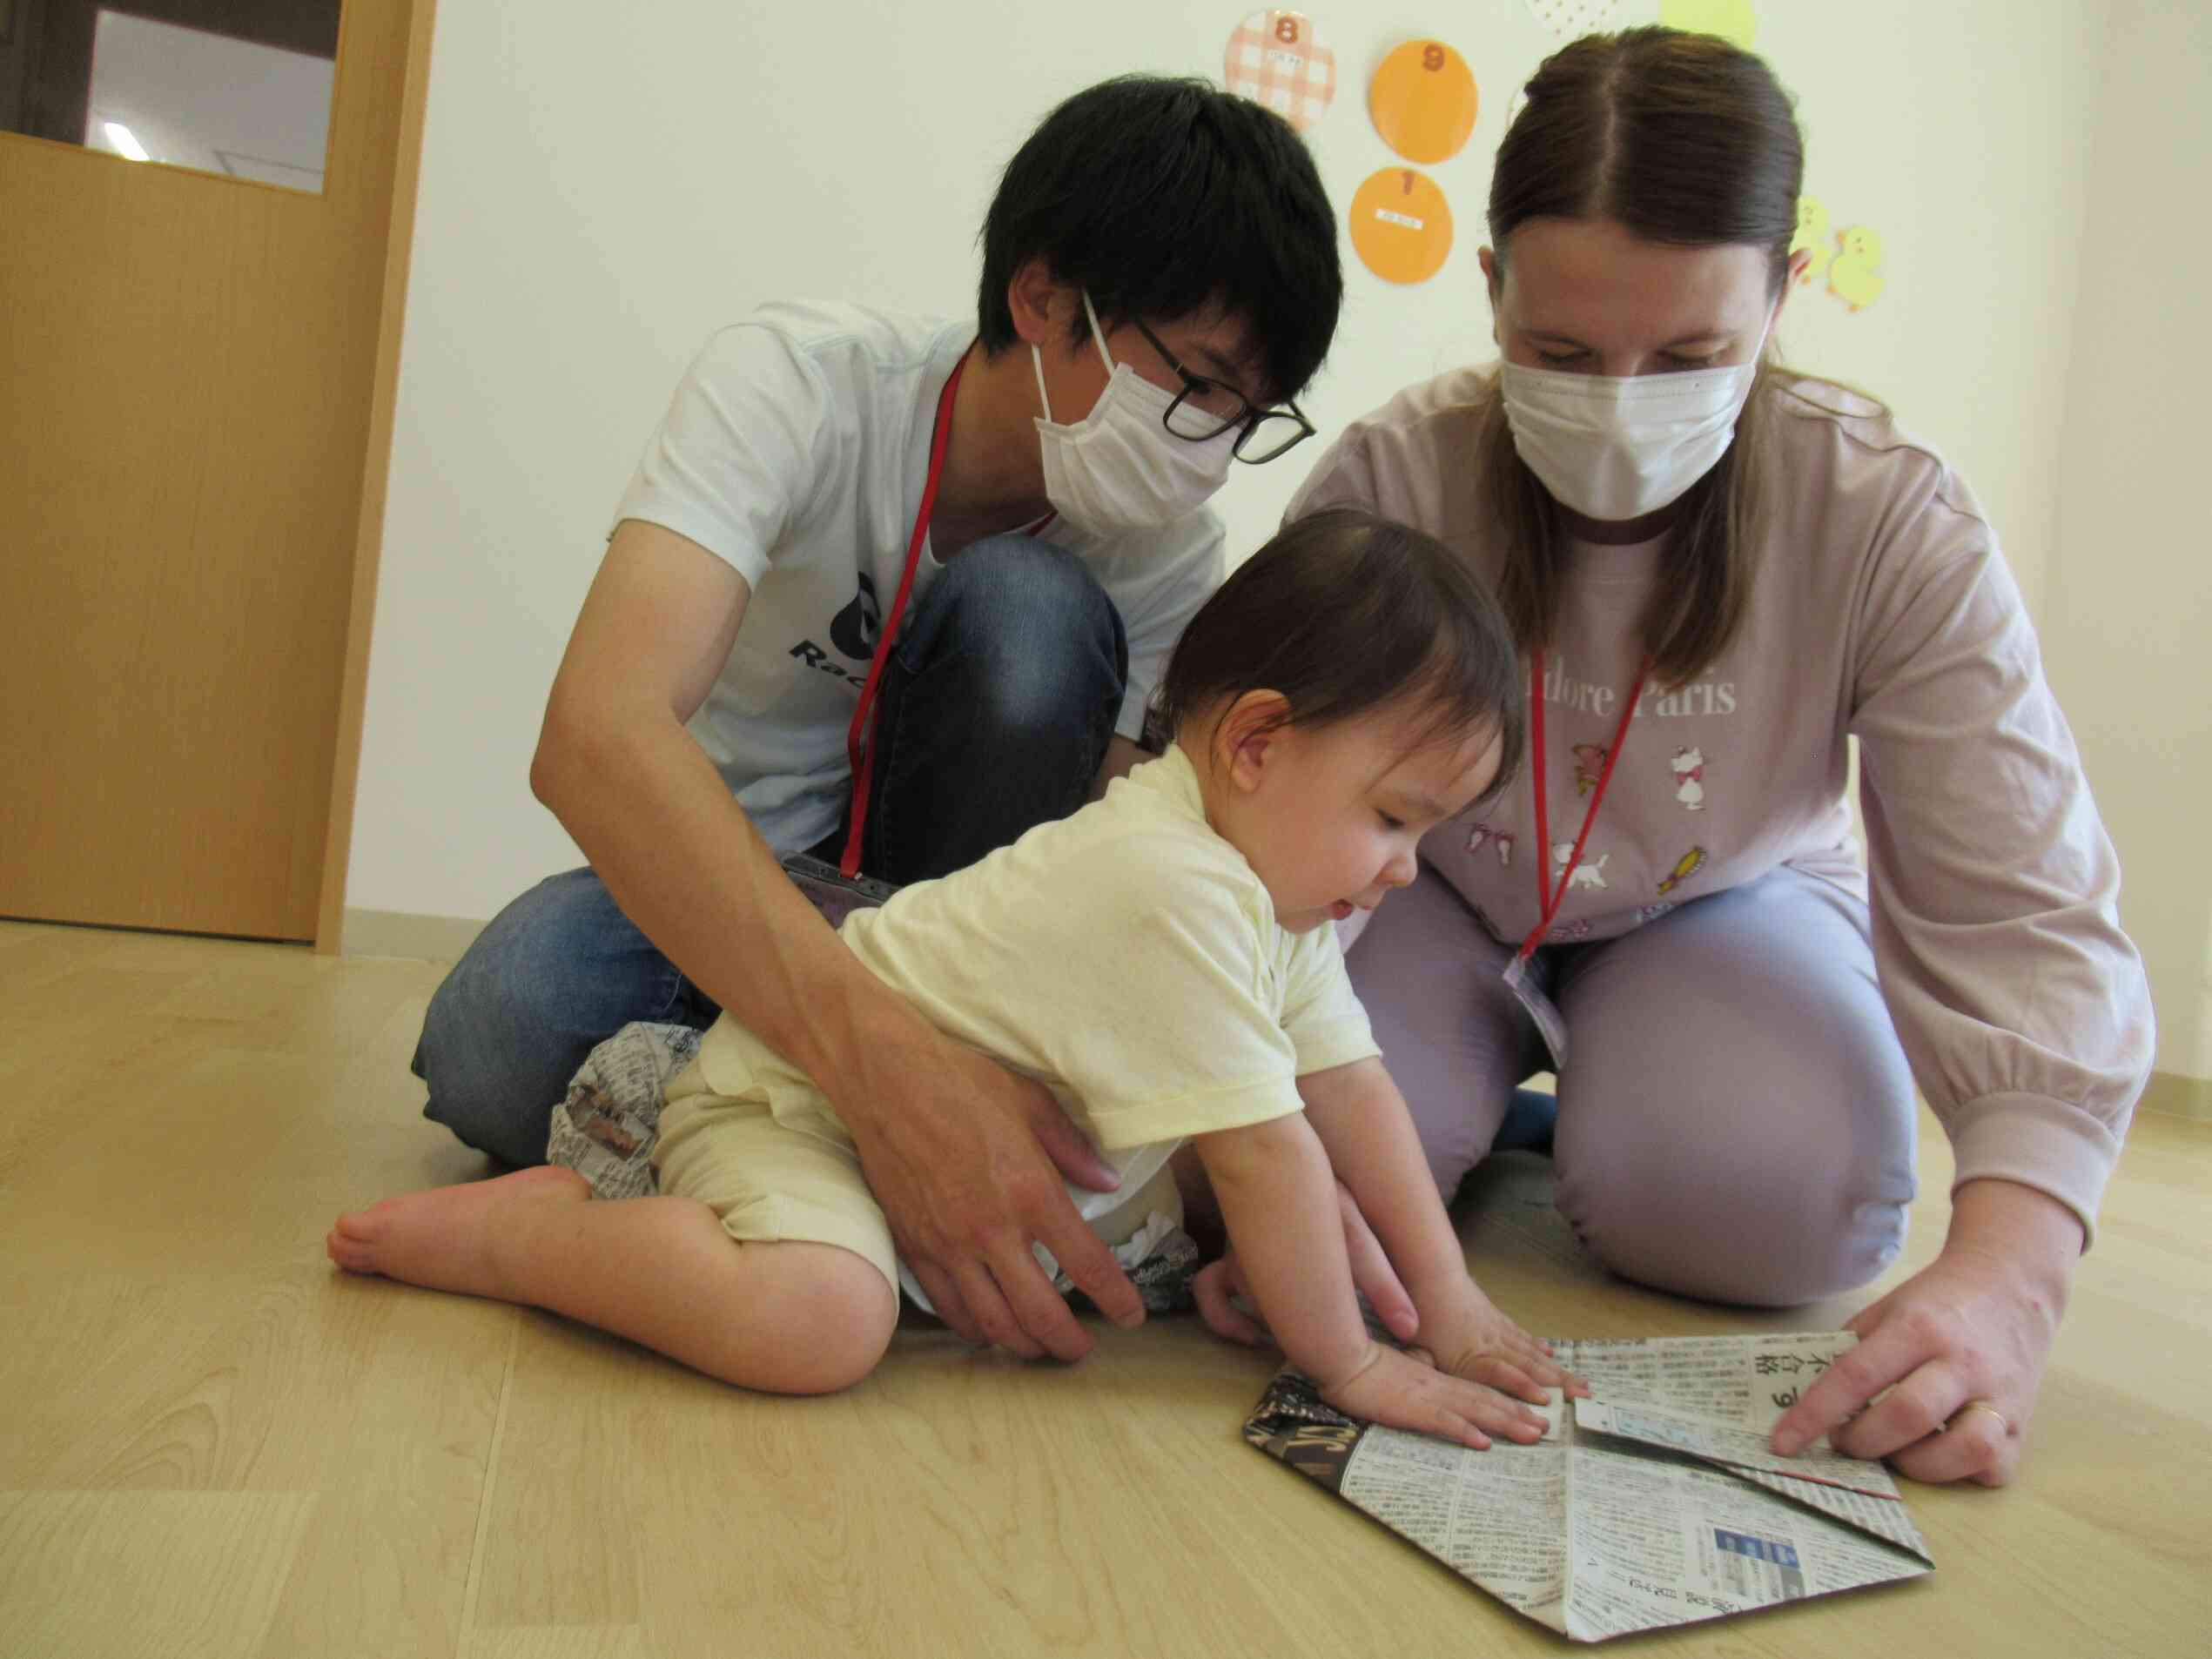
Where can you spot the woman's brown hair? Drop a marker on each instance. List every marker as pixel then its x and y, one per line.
pixel 1686 141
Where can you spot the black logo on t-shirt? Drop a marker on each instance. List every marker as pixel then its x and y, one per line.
pixel 853 629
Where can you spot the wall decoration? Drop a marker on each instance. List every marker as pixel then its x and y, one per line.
pixel 1570 18
pixel 1813 236
pixel 1279 58
pixel 1732 20
pixel 1853 277
pixel 1422 100
pixel 1402 226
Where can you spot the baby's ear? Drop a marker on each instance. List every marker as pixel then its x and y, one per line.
pixel 1247 740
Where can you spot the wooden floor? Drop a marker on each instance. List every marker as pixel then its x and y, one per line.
pixel 216 1444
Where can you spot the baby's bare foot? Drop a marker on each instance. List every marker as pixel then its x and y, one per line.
pixel 442 1238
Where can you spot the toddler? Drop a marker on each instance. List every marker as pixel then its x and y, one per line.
pixel 1163 961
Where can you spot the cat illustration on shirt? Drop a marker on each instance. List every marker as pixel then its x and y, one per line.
pixel 1589 873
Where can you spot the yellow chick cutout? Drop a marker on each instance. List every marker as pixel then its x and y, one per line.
pixel 1853 265
pixel 1732 20
pixel 1811 237
pixel 1851 276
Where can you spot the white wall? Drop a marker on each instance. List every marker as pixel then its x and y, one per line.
pixel 2128 634
pixel 601 187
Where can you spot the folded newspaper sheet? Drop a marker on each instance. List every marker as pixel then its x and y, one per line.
pixel 1654 1502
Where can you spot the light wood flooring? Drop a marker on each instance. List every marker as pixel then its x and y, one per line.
pixel 215 1444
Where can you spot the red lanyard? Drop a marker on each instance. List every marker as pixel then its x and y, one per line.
pixel 862 755
pixel 1548 899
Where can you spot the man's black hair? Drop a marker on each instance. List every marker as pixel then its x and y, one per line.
pixel 1165 198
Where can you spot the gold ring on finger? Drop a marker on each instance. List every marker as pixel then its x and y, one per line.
pixel 1979 1405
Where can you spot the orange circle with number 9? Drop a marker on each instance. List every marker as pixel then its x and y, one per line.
pixel 1422 100
pixel 1402 226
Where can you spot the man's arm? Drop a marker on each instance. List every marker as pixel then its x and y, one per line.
pixel 950 1141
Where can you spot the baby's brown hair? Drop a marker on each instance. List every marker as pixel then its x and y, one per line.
pixel 1345 613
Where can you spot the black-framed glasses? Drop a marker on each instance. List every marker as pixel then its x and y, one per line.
pixel 1206 409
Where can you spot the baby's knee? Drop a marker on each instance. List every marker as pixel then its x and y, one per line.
pixel 841 1325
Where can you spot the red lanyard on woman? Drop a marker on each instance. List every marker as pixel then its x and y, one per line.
pixel 1548 898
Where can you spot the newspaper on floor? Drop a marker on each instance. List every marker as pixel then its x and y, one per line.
pixel 1654 1502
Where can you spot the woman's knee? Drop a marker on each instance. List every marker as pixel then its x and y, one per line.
pixel 1737 1121
pixel 1709 1182
pixel 1770 1237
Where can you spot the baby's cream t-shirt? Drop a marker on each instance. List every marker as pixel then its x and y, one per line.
pixel 1127 957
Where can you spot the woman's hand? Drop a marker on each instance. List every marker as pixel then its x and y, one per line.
pixel 1402 1390
pixel 1972 1329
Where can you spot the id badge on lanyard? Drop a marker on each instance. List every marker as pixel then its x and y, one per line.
pixel 1520 973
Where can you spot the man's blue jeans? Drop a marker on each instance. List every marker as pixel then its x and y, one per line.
pixel 997 701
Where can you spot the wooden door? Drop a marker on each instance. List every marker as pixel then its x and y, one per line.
pixel 187 368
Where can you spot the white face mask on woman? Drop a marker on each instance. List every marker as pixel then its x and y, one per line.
pixel 1615 448
pixel 1119 468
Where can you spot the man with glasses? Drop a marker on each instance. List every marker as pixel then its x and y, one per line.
pixel 893 590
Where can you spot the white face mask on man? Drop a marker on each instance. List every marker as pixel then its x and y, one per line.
pixel 1118 468
pixel 1614 448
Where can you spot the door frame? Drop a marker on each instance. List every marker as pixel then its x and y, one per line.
pixel 368 545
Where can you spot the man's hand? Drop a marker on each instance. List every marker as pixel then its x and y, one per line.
pixel 964 1167
pixel 1974 1326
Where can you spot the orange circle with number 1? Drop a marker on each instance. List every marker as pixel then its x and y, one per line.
pixel 1422 100
pixel 1402 226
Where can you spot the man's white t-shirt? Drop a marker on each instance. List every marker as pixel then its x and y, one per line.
pixel 796 449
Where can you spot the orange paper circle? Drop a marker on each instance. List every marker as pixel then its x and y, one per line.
pixel 1422 100
pixel 1402 226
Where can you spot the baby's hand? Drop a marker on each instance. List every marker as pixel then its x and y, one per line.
pixel 1470 1338
pixel 1402 1391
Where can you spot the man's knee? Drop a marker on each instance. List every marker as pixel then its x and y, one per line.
pixel 1023 576
pixel 556 971
pixel 1034 637
pixel 491 1096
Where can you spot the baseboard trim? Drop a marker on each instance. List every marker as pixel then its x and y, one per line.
pixel 445 939
pixel 402 933
pixel 2179 1097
